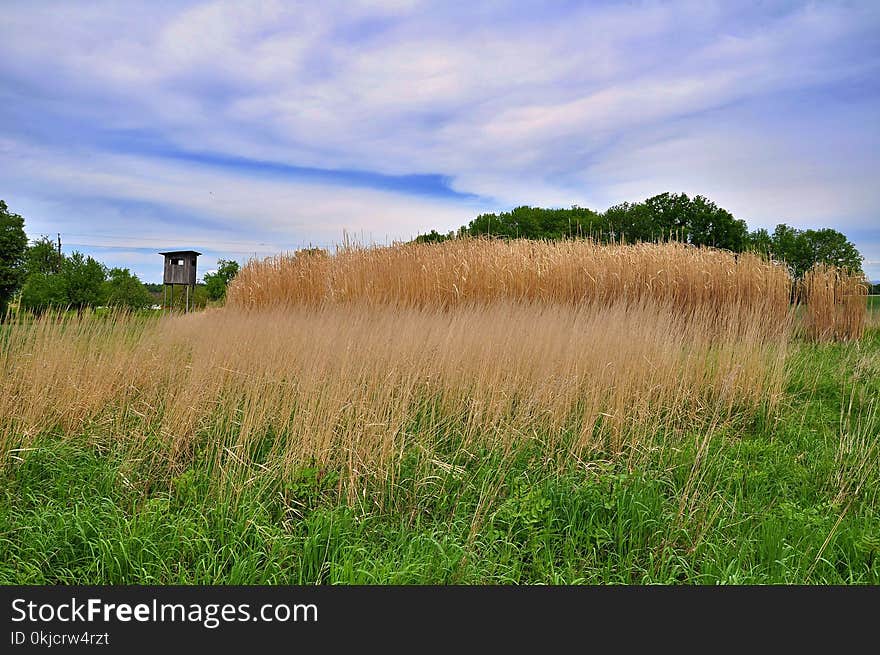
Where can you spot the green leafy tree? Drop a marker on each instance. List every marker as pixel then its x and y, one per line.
pixel 216 283
pixel 44 291
pixel 675 216
pixel 13 246
pixel 124 289
pixel 433 237
pixel 535 223
pixel 670 215
pixel 632 222
pixel 710 225
pixel 790 247
pixel 666 216
pixel 832 247
pixel 760 242
pixel 84 280
pixel 43 257
pixel 802 249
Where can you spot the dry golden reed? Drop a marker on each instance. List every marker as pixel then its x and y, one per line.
pixel 353 361
pixel 355 387
pixel 464 271
pixel 836 303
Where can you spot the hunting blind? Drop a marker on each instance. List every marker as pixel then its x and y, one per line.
pixel 180 269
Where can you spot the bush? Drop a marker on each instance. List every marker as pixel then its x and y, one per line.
pixel 124 289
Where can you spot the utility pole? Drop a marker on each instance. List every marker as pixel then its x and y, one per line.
pixel 59 252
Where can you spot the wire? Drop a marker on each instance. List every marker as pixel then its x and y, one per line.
pixel 162 240
pixel 221 252
pixel 223 246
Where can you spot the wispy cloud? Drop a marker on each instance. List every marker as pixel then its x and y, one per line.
pixel 282 124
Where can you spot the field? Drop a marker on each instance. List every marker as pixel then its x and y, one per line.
pixel 474 412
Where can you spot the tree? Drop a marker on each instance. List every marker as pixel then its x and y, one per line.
pixel 532 223
pixel 669 215
pixel 216 283
pixel 44 287
pixel 631 222
pixel 789 247
pixel 802 249
pixel 432 237
pixel 84 280
pixel 832 247
pixel 13 245
pixel 710 225
pixel 675 216
pixel 44 291
pixel 124 289
pixel 760 242
pixel 43 257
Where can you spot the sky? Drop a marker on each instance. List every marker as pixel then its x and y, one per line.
pixel 246 129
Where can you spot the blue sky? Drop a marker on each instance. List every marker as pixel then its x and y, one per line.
pixel 245 129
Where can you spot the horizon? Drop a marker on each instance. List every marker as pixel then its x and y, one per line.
pixel 243 131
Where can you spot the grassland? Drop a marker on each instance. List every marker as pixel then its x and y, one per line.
pixel 523 434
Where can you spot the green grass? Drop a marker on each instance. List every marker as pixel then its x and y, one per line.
pixel 793 499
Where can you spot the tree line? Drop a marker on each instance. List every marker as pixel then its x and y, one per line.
pixel 664 217
pixel 46 278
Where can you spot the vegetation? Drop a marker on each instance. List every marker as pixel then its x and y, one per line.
pixel 43 258
pixel 217 282
pixel 466 271
pixel 537 223
pixel 54 281
pixel 786 500
pixel 666 217
pixel 804 249
pixel 835 303
pixel 161 295
pixel 467 418
pixel 462 364
pixel 124 289
pixel 43 291
pixel 13 244
pixel 83 278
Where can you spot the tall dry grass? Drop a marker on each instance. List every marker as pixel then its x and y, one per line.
pixel 352 362
pixel 466 271
pixel 355 388
pixel 836 303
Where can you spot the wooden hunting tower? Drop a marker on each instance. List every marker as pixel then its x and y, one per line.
pixel 180 269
